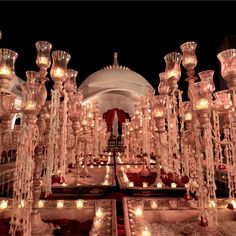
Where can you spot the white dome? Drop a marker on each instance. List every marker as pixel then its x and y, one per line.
pixel 115 87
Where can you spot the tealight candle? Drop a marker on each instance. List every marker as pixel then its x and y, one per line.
pixel 138 211
pixel 30 105
pixel 3 204
pixel 60 204
pixel 159 185
pixel 146 232
pixel 202 104
pixel 145 185
pixel 91 166
pixel 41 203
pixel 136 167
pixel 173 185
pixel 79 204
pixel 212 204
pixel 105 182
pixel 131 184
pixel 5 71
pixel 99 166
pixel 99 213
pixel 233 202
pixel 64 184
pixel 128 166
pixel 153 204
pixel 103 157
pixel 58 72
pixel 43 60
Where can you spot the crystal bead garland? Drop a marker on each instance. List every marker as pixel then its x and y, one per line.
pixel 23 184
pixel 53 152
pixel 63 138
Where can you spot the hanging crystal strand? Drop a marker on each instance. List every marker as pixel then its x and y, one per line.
pixel 63 137
pixel 210 172
pixel 200 183
pixel 216 132
pixel 231 159
pixel 170 154
pixel 23 184
pixel 52 154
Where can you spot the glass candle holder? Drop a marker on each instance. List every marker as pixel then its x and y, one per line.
pixel 7 67
pixel 59 68
pixel 223 100
pixel 227 59
pixel 163 85
pixel 70 83
pixel 207 76
pixel 43 59
pixel 189 60
pixel 173 70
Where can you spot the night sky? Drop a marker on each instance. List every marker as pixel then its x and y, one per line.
pixel 141 32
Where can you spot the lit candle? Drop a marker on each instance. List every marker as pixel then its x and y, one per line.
pixel 136 167
pixel 159 113
pixel 60 204
pixel 58 73
pixel 212 204
pixel 189 60
pixel 172 73
pixel 128 166
pixel 43 60
pixel 99 166
pixel 202 104
pixel 103 157
pixel 22 204
pixel 159 185
pixel 153 204
pixel 105 182
pixel 131 184
pixel 3 204
pixel 79 204
pixel 84 122
pixel 173 185
pixel 233 202
pixel 138 211
pixel 41 203
pixel 126 179
pixel 5 71
pixel 145 185
pixel 99 213
pixel 64 184
pixel 146 232
pixel 91 166
pixel 188 116
pixel 30 105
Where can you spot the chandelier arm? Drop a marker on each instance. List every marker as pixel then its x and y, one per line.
pixel 162 144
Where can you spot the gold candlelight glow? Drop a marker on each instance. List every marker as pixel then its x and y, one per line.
pixel 43 60
pixel 79 204
pixel 159 185
pixel 60 204
pixel 99 213
pixel 138 211
pixel 202 104
pixel 41 203
pixel 233 202
pixel 145 185
pixel 173 185
pixel 188 116
pixel 159 113
pixel 5 71
pixel 58 73
pixel 146 232
pixel 131 184
pixel 3 204
pixel 154 204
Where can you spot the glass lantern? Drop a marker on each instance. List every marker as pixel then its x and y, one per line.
pixel 59 68
pixel 7 67
pixel 227 59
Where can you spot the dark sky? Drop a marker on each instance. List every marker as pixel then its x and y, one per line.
pixel 141 32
